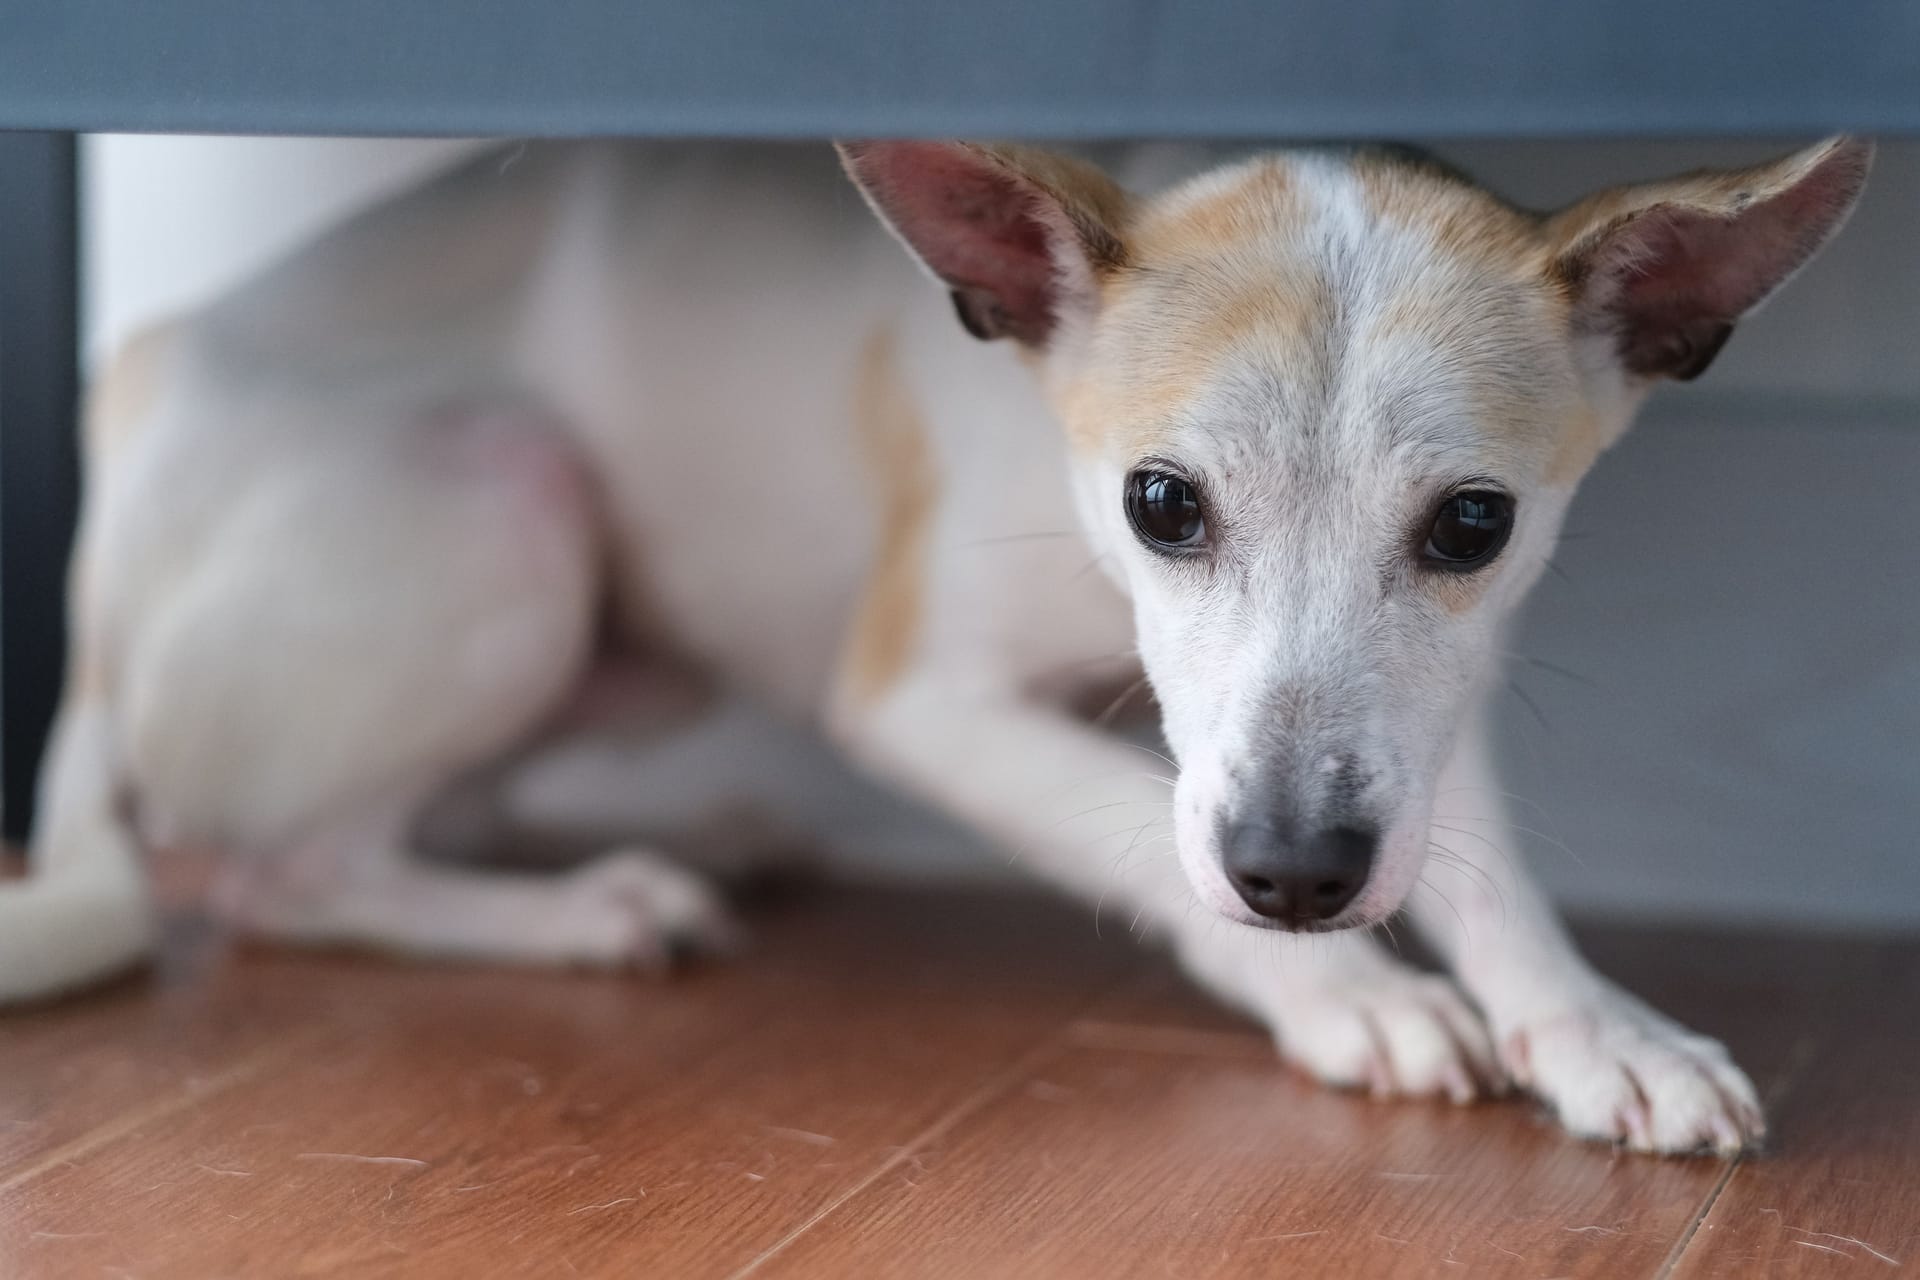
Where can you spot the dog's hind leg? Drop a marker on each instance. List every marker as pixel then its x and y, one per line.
pixel 381 612
pixel 361 883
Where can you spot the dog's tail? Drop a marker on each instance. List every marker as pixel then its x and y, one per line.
pixel 83 913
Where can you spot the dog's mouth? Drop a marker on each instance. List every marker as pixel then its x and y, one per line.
pixel 1356 917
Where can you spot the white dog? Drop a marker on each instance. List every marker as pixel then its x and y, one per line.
pixel 374 529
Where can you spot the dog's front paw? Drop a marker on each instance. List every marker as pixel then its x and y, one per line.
pixel 1395 1033
pixel 1615 1070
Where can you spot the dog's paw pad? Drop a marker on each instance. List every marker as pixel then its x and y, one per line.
pixel 1398 1035
pixel 633 909
pixel 1616 1071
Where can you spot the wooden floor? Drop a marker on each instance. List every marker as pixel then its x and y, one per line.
pixel 902 1086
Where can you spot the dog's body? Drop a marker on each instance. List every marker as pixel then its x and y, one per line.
pixel 369 531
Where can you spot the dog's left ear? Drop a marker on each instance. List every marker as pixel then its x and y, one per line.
pixel 1667 268
pixel 1022 237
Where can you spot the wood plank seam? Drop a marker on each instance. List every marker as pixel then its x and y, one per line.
pixel 1803 1053
pixel 1685 1242
pixel 1051 1045
pixel 132 1121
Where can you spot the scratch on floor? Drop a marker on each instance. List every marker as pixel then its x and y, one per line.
pixel 800 1135
pixel 1853 1240
pixel 205 1088
pixel 997 1086
pixel 611 1204
pixel 350 1158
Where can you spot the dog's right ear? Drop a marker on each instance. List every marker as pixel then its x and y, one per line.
pixel 1021 237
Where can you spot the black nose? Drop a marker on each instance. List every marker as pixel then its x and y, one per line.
pixel 1299 880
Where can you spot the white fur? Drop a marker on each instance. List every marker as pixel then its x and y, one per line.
pixel 355 546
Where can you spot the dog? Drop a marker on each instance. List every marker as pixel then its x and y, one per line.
pixel 490 468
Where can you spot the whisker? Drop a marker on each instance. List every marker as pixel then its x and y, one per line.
pixel 1051 827
pixel 1554 668
pixel 1117 656
pixel 1435 825
pixel 1061 792
pixel 1446 857
pixel 1137 832
pixel 1526 700
pixel 1113 708
pixel 1088 568
pixel 1514 796
pixel 1015 537
pixel 1113 869
pixel 1430 887
pixel 1558 843
pixel 1175 764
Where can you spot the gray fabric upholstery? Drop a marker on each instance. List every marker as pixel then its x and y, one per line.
pixel 1061 68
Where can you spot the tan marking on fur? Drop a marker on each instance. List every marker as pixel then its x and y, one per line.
pixel 88 677
pixel 1260 201
pixel 1458 593
pixel 1211 276
pixel 1203 284
pixel 1554 249
pixel 1470 225
pixel 894 440
pixel 1579 443
pixel 1098 419
pixel 1488 249
pixel 1096 205
pixel 120 399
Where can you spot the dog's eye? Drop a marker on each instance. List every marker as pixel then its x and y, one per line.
pixel 1469 529
pixel 1165 510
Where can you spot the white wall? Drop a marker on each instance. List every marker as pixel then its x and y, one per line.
pixel 168 221
pixel 1739 597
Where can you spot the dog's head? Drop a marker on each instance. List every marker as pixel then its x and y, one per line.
pixel 1326 411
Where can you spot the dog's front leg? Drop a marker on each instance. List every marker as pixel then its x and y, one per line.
pixel 1609 1064
pixel 1094 815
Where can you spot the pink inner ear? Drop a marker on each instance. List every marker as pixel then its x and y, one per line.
pixel 1677 278
pixel 1716 266
pixel 977 225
